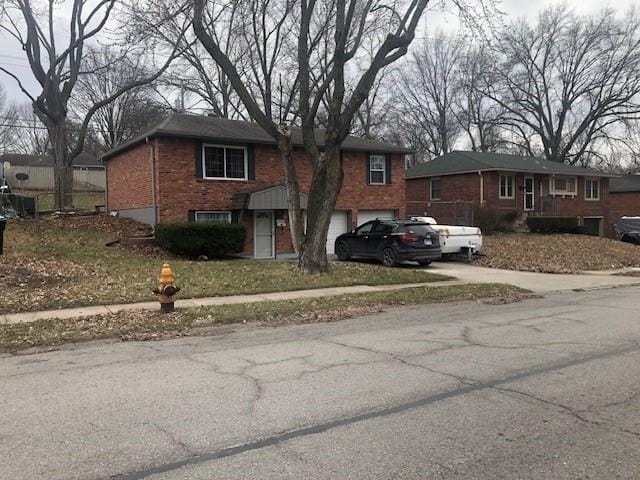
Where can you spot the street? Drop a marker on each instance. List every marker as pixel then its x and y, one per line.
pixel 545 388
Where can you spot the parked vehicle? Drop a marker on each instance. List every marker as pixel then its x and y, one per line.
pixel 391 242
pixel 455 239
pixel 628 229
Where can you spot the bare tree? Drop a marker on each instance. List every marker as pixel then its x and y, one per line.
pixel 429 94
pixel 29 135
pixel 128 115
pixel 329 35
pixel 567 82
pixel 57 68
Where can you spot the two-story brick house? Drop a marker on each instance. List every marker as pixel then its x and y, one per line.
pixel 201 168
pixel 452 187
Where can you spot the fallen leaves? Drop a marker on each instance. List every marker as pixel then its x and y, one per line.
pixel 560 253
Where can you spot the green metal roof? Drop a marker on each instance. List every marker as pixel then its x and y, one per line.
pixel 465 162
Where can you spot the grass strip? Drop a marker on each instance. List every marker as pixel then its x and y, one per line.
pixel 144 325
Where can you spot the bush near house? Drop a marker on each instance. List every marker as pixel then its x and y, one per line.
pixel 548 225
pixel 213 239
pixel 491 220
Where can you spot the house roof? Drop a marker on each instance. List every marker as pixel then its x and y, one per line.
pixel 24 160
pixel 466 162
pixel 236 131
pixel 625 183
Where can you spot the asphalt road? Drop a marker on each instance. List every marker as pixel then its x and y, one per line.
pixel 542 389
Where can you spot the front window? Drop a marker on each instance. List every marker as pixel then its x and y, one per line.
pixel 591 189
pixel 223 162
pixel 506 186
pixel 377 169
pixel 224 217
pixel 563 185
pixel 435 189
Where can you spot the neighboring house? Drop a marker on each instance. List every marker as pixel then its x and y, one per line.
pixel 624 197
pixel 453 187
pixel 88 172
pixel 201 168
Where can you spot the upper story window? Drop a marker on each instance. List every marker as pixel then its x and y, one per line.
pixel 377 169
pixel 506 186
pixel 563 185
pixel 435 189
pixel 224 162
pixel 224 217
pixel 591 189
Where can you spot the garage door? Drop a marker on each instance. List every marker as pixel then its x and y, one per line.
pixel 367 215
pixel 337 227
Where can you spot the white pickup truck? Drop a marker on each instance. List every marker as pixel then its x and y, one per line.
pixel 455 239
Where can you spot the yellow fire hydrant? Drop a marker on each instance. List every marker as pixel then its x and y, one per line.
pixel 167 290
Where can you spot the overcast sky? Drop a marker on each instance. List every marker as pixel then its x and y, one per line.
pixel 12 57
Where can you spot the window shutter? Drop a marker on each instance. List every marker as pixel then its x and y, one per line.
pixel 251 163
pixel 191 216
pixel 387 168
pixel 199 172
pixel 367 170
pixel 235 216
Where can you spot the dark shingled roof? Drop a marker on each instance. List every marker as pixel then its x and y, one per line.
pixel 465 162
pixel 224 130
pixel 625 183
pixel 24 160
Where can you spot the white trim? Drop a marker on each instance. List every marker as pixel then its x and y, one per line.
pixel 273 232
pixel 383 170
pixel 596 180
pixel 195 216
pixel 525 193
pixel 513 187
pixel 236 147
pixel 553 191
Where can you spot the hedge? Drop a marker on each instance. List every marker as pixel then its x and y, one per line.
pixel 191 239
pixel 554 225
pixel 491 220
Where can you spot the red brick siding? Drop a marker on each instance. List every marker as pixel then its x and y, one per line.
pixel 620 205
pixel 129 179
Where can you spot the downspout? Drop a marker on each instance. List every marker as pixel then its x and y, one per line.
pixel 481 188
pixel 152 164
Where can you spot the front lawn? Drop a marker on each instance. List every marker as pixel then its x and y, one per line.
pixel 144 325
pixel 560 253
pixel 64 263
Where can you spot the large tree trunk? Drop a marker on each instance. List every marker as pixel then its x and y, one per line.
pixel 285 147
pixel 325 187
pixel 62 170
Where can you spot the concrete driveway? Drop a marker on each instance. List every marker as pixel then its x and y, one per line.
pixel 536 282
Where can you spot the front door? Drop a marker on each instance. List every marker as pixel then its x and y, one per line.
pixel 263 234
pixel 528 193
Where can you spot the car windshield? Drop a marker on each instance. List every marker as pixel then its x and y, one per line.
pixel 418 228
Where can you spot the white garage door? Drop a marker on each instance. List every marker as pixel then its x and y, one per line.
pixel 337 227
pixel 367 215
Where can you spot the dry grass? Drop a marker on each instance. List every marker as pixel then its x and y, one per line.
pixel 154 325
pixel 63 263
pixel 556 253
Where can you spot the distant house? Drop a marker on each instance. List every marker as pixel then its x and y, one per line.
pixel 199 168
pixel 453 187
pixel 624 197
pixel 88 172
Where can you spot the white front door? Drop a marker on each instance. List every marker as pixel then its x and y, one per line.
pixel 263 239
pixel 529 201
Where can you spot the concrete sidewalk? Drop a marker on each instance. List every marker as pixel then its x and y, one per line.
pixel 536 282
pixel 66 313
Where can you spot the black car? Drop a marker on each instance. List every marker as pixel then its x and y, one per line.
pixel 391 242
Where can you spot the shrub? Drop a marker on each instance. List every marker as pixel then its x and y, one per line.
pixel 555 225
pixel 191 239
pixel 491 220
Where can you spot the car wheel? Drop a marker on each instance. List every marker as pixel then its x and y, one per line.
pixel 424 263
pixel 342 251
pixel 389 258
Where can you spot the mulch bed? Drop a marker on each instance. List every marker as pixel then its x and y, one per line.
pixel 560 253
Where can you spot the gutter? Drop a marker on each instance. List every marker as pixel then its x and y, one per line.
pixel 152 164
